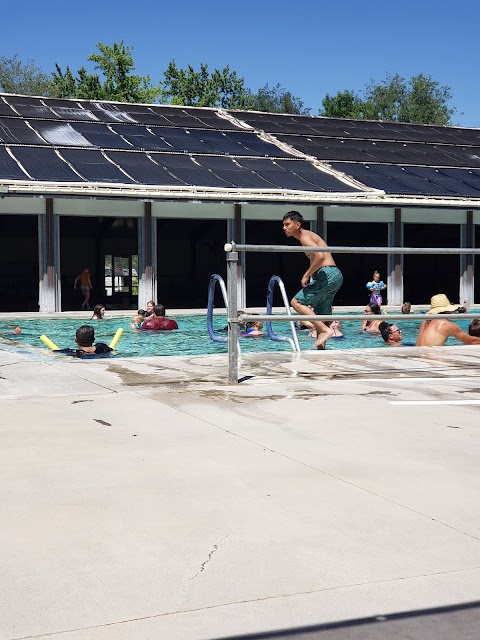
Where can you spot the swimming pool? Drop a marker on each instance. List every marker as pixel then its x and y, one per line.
pixel 191 338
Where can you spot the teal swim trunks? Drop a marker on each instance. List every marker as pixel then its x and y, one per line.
pixel 321 292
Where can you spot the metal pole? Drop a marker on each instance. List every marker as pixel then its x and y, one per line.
pixel 271 248
pixel 232 265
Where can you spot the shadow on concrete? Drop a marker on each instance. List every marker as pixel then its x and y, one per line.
pixel 456 622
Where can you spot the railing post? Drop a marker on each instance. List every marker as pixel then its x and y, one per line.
pixel 467 283
pixel 232 265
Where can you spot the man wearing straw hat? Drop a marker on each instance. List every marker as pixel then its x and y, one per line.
pixel 435 333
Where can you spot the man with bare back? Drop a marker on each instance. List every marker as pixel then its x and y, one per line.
pixel 321 280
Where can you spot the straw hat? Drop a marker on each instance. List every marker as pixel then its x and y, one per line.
pixel 440 303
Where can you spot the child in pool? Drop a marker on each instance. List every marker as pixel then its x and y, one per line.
pixel 137 321
pixel 336 325
pixel 375 286
pixel 253 330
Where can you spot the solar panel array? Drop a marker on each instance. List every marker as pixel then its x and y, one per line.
pixel 398 158
pixel 52 140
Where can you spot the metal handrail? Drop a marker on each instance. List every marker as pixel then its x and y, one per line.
pixel 293 342
pixel 273 248
pixel 214 280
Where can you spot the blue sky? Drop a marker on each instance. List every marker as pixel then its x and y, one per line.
pixel 310 47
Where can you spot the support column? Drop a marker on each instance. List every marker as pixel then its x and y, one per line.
pixel 395 261
pixel 467 262
pixel 147 254
pixel 48 239
pixel 239 237
pixel 321 227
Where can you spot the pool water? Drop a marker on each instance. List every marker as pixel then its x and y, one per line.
pixel 191 338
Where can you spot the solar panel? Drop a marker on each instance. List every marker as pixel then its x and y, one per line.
pixel 141 137
pixel 107 112
pixel 277 175
pixel 227 169
pixel 9 169
pixel 187 170
pixel 220 142
pixel 93 165
pixel 6 109
pixel 100 135
pixel 74 113
pixel 44 164
pixel 142 169
pixel 29 107
pixel 183 141
pixel 145 115
pixel 211 119
pixel 260 147
pixel 321 179
pixel 177 116
pixel 16 131
pixel 60 133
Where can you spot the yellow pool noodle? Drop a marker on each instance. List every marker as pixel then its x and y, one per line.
pixel 116 338
pixel 49 343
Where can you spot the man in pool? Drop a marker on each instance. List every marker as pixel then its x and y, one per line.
pixel 321 280
pixel 158 322
pixel 435 333
pixel 391 334
pixel 85 337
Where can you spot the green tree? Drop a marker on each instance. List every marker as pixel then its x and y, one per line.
pixel 23 77
pixel 420 99
pixel 221 88
pixel 345 104
pixel 117 81
pixel 275 99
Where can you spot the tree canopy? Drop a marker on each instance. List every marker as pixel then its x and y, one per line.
pixel 275 99
pixel 221 88
pixel 117 82
pixel 23 77
pixel 419 99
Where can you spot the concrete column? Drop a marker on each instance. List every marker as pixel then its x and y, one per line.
pixel 238 236
pixel 320 225
pixel 147 257
pixel 467 262
pixel 49 267
pixel 395 261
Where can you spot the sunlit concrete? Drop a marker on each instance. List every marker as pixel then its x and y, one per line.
pixel 147 498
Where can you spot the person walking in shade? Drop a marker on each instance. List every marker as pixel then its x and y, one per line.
pixel 85 286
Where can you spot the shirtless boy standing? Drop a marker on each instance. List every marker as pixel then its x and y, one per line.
pixel 321 280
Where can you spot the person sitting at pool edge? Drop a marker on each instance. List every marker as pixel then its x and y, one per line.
pixel 435 333
pixel 158 322
pixel 391 334
pixel 85 337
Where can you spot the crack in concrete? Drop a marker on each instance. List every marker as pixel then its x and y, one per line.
pixel 202 567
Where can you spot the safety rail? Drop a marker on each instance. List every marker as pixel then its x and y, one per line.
pixel 214 280
pixel 232 250
pixel 293 341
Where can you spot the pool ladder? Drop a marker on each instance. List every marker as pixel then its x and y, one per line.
pixel 217 279
pixel 214 280
pixel 293 341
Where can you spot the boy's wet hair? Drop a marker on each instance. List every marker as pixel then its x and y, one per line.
pixel 474 327
pixel 296 216
pixel 85 335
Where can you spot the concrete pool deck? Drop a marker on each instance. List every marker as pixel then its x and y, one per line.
pixel 146 498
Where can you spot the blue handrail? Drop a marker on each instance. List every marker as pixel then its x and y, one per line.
pixel 271 334
pixel 214 280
